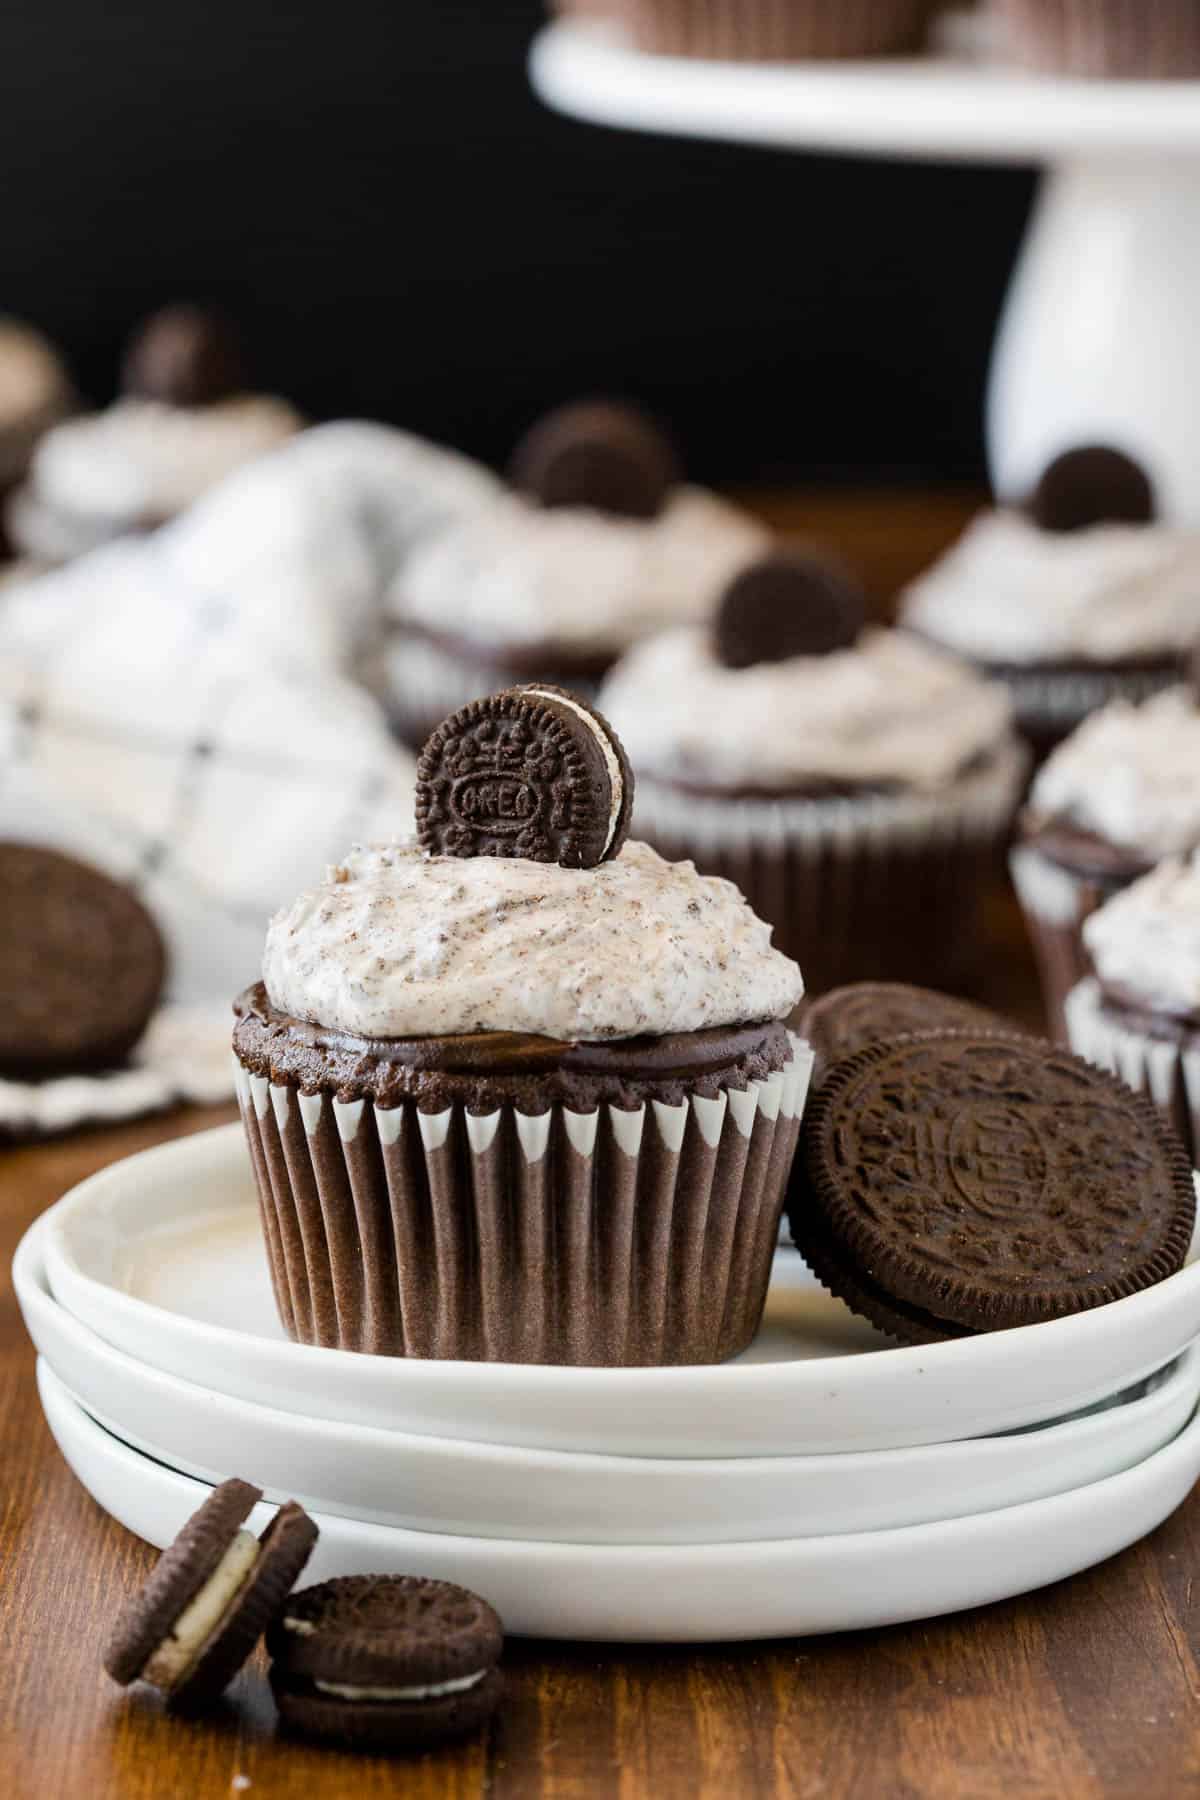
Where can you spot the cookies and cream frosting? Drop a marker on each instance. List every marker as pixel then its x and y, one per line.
pixel 1008 592
pixel 889 711
pixel 1145 942
pixel 1130 774
pixel 142 460
pixel 590 582
pixel 395 943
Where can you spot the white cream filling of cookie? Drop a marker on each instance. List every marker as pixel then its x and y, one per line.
pixel 435 1690
pixel 616 784
pixel 178 1653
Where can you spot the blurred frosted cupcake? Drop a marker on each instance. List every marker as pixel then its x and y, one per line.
pixel 855 784
pixel 35 393
pixel 1139 1015
pixel 1116 798
pixel 184 422
pixel 520 1090
pixel 1078 600
pixel 777 30
pixel 598 544
pixel 1140 39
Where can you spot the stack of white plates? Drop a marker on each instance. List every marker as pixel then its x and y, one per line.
pixel 825 1481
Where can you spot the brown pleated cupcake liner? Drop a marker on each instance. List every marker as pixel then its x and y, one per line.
pixel 776 30
pixel 885 886
pixel 1167 1068
pixel 1049 704
pixel 1137 39
pixel 612 1237
pixel 1056 903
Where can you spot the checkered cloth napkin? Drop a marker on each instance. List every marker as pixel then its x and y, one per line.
pixel 186 711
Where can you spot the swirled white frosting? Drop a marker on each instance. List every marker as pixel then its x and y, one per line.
pixel 1130 774
pixel 394 943
pixel 1146 940
pixel 32 379
pixel 142 460
pixel 890 711
pixel 518 575
pixel 1009 593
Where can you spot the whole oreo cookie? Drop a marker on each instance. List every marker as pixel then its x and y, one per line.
pixel 386 1660
pixel 81 965
pixel 1092 485
pixel 602 454
pixel 786 604
pixel 959 1182
pixel 185 356
pixel 849 1019
pixel 530 772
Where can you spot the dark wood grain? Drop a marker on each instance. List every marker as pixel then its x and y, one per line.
pixel 1087 1691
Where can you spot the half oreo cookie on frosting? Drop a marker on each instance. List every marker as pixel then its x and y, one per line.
pixel 532 772
pixel 606 455
pixel 960 1181
pixel 787 603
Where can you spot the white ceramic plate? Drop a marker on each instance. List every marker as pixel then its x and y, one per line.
pixel 161 1256
pixel 690 1593
pixel 492 1490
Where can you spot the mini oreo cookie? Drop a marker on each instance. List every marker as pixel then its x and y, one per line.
pixel 531 772
pixel 81 965
pixel 185 356
pixel 1092 485
pixel 959 1182
pixel 377 1660
pixel 603 454
pixel 787 603
pixel 848 1019
pixel 209 1598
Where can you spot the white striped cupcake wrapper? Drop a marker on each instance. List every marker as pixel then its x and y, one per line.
pixel 1165 1069
pixel 607 1237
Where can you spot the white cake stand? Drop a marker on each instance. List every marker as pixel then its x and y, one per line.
pixel 1100 338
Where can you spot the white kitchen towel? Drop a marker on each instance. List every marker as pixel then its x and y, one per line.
pixel 184 710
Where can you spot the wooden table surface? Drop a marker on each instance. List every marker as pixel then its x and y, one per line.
pixel 1090 1688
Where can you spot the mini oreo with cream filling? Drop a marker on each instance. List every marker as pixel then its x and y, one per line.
pixel 379 1660
pixel 1093 484
pixel 531 772
pixel 785 604
pixel 209 1598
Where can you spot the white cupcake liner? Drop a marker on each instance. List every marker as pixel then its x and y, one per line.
pixel 607 1237
pixel 1167 1069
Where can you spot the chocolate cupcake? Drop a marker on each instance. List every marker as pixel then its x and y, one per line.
pixel 855 784
pixel 184 422
pixel 1111 802
pixel 35 393
pixel 1078 599
pixel 777 30
pixel 1113 39
pixel 1139 1014
pixel 521 1091
pixel 597 544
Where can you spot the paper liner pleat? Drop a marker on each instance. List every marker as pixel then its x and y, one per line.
pixel 614 1237
pixel 775 29
pixel 1165 1068
pixel 1146 39
pixel 1056 905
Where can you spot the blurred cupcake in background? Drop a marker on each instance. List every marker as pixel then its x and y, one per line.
pixel 185 421
pixel 1139 1015
pixel 1076 600
pixel 855 784
pixel 1111 802
pixel 777 30
pixel 35 393
pixel 598 544
pixel 1138 39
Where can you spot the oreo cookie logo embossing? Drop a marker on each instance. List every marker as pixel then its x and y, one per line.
pixel 531 772
pixel 997 1161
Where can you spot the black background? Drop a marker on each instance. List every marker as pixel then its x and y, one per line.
pixel 407 234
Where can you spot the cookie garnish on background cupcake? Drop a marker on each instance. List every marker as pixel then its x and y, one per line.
pixel 602 454
pixel 787 604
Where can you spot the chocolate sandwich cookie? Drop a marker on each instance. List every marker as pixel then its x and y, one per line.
pixel 532 772
pixel 602 454
pixel 81 965
pixel 960 1182
pixel 787 604
pixel 210 1597
pixel 1092 485
pixel 848 1019
pixel 185 356
pixel 380 1660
